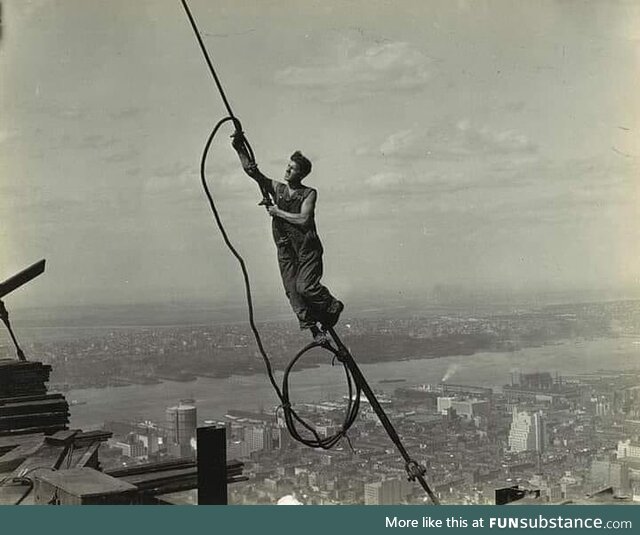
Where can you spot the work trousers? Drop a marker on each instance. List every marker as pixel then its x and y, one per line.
pixel 301 271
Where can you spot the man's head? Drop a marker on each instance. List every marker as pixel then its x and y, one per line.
pixel 298 168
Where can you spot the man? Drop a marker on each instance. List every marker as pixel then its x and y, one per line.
pixel 297 242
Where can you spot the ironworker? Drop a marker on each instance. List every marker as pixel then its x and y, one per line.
pixel 297 242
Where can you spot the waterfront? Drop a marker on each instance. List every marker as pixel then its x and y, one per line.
pixel 215 396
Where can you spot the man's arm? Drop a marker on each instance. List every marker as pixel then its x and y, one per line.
pixel 306 215
pixel 250 167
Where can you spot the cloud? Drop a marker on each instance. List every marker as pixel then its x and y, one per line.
pixel 573 192
pixel 171 179
pixel 173 170
pixel 452 141
pixel 523 190
pixel 470 138
pixel 403 143
pixel 385 180
pixel 597 172
pixel 176 178
pixel 452 159
pixel 375 69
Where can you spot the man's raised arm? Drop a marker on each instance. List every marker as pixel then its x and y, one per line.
pixel 250 167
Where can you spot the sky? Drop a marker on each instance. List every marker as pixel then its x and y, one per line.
pixel 484 144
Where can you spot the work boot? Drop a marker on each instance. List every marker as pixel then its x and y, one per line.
pixel 319 337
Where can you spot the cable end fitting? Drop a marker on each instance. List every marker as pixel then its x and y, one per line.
pixel 414 470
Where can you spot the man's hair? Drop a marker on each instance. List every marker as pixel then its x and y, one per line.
pixel 303 163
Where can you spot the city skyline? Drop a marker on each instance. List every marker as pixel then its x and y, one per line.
pixel 584 449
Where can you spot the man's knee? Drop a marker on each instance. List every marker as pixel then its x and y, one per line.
pixel 305 289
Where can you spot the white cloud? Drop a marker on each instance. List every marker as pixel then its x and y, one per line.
pixel 452 141
pixel 385 180
pixel 467 137
pixel 378 68
pixel 178 181
pixel 403 143
pixel 173 170
pixel 171 180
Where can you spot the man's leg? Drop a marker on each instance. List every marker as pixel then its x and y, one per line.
pixel 288 264
pixel 322 305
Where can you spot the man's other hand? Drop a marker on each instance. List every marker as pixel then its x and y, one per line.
pixel 273 210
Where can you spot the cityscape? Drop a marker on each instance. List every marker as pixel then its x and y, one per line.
pixel 566 437
pixel 562 436
pixel 142 355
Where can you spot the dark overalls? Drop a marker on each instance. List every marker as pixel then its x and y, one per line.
pixel 300 260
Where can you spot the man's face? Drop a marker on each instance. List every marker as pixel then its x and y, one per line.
pixel 293 172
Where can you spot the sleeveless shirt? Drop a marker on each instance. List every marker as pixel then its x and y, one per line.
pixel 285 233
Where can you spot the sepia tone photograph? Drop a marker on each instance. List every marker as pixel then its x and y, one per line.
pixel 337 252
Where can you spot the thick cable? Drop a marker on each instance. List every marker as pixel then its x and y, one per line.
pixel 212 70
pixel 291 417
pixel 207 58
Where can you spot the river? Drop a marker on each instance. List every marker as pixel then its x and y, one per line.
pixel 215 396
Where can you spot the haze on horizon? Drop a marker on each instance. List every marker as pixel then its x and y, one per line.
pixel 487 145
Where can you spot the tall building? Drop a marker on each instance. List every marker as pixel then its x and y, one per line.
pixel 181 427
pixel 536 381
pixel 628 448
pixel 386 492
pixel 151 436
pixel 131 447
pixel 528 432
pixel 610 473
pixel 467 408
pixel 258 438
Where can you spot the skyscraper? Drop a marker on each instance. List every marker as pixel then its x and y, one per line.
pixel 628 449
pixel 181 425
pixel 258 438
pixel 385 492
pixel 528 432
pixel 608 472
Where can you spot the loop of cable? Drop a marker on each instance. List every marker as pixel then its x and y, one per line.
pixel 291 417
